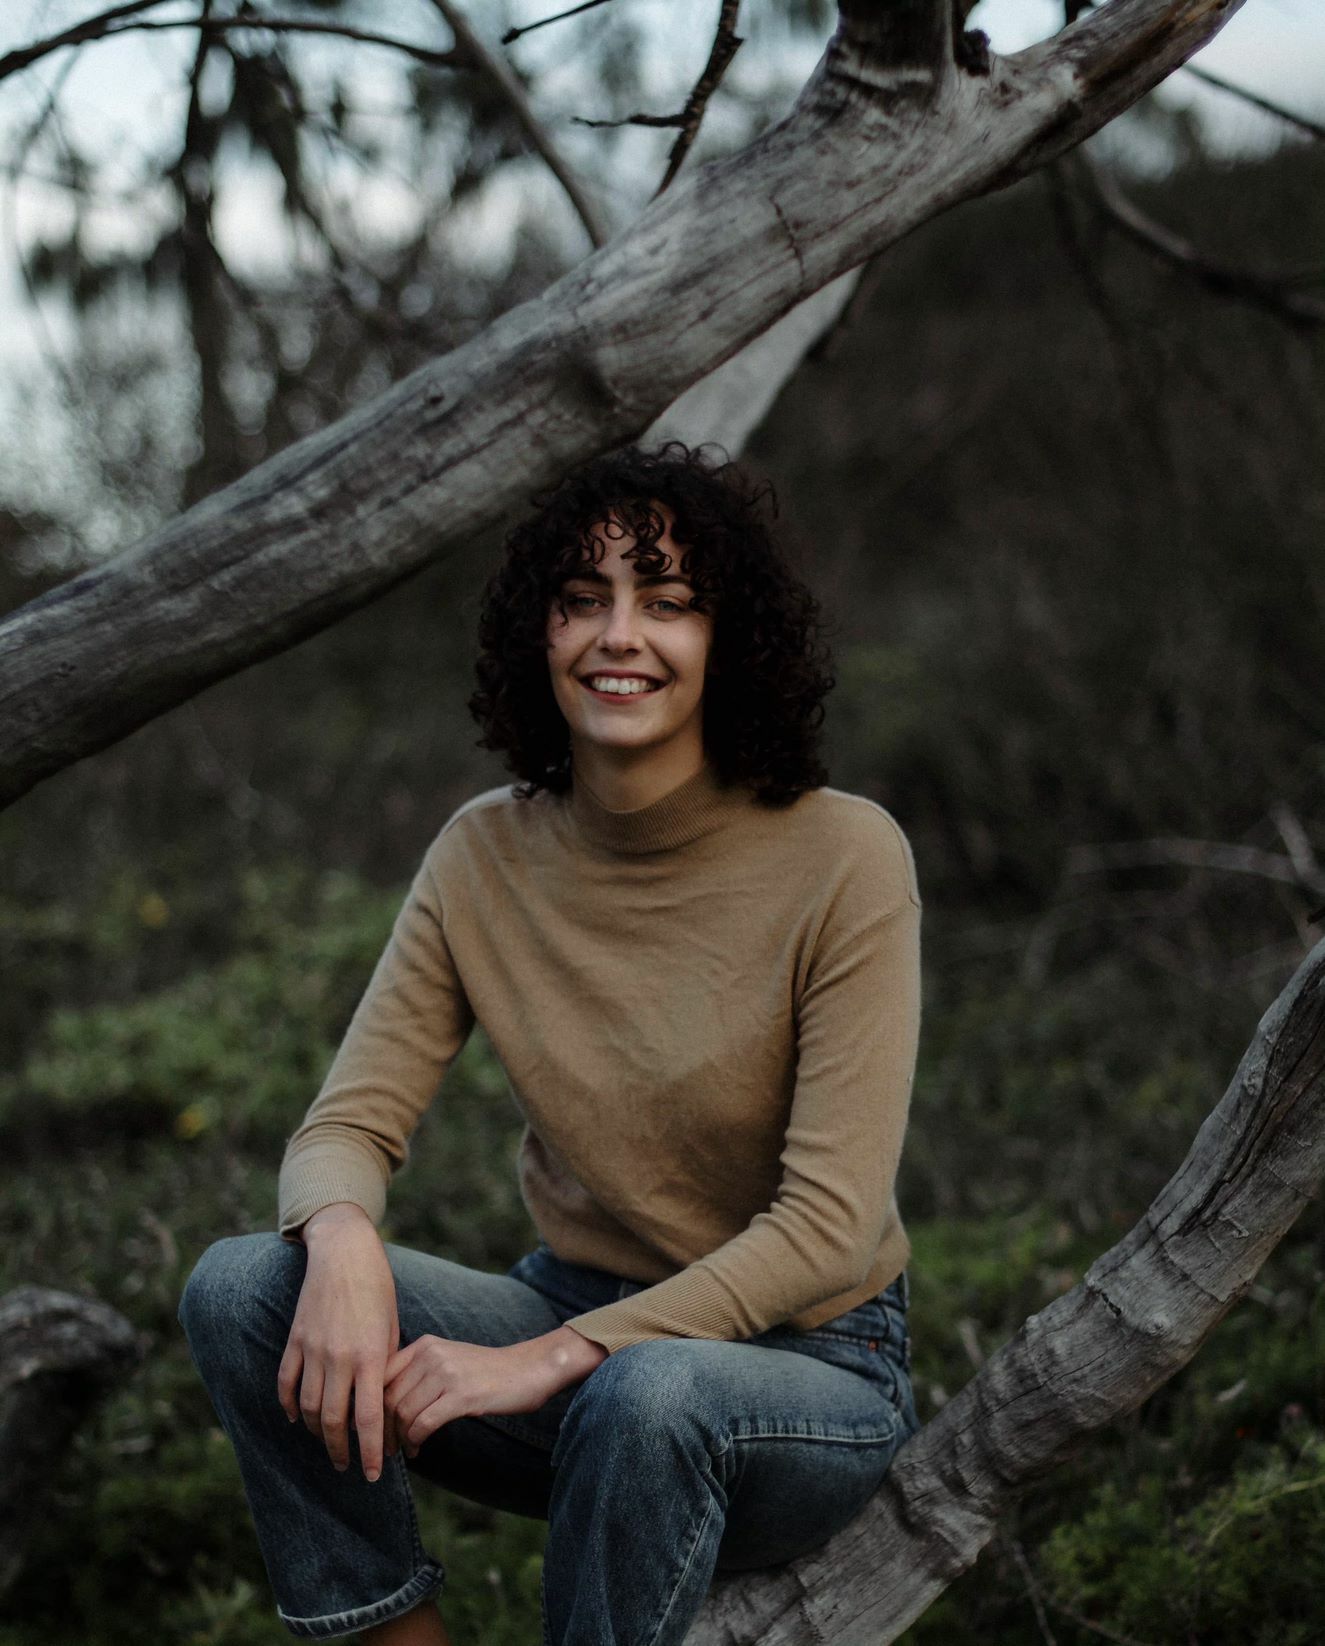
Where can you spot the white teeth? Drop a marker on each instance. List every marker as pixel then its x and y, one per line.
pixel 622 688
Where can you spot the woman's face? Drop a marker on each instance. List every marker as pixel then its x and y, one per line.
pixel 629 658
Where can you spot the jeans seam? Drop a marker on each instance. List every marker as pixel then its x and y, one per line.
pixel 690 1558
pixel 426 1580
pixel 828 1440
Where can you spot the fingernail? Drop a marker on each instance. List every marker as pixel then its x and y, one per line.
pixel 374 1474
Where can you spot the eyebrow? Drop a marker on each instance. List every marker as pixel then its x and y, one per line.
pixel 591 574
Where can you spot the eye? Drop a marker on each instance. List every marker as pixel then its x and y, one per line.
pixel 577 602
pixel 673 605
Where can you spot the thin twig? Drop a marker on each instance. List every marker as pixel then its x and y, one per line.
pixel 1311 127
pixel 1195 854
pixel 16 169
pixel 1272 292
pixel 726 43
pixel 22 56
pixel 557 17
pixel 499 72
pixel 1013 1544
pixel 108 27
pixel 1149 409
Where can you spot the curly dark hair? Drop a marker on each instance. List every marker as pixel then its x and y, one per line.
pixel 763 702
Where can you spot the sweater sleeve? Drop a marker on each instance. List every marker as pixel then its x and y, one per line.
pixel 858 1024
pixel 407 1029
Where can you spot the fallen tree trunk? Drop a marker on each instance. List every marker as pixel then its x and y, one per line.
pixel 1137 1317
pixel 900 121
pixel 58 1356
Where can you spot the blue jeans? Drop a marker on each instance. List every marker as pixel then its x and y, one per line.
pixel 671 1460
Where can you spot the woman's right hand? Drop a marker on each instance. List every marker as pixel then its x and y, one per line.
pixel 345 1329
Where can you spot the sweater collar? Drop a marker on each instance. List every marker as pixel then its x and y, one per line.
pixel 693 808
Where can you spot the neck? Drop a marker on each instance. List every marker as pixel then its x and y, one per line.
pixel 623 784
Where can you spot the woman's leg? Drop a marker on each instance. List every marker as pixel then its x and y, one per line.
pixel 344 1554
pixel 421 1627
pixel 678 1457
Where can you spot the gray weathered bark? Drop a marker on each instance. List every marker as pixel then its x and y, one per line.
pixel 58 1356
pixel 890 130
pixel 1140 1313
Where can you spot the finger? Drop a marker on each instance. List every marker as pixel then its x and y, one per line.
pixel 426 1424
pixel 368 1420
pixel 310 1397
pixel 410 1381
pixel 398 1360
pixel 407 1403
pixel 336 1417
pixel 287 1380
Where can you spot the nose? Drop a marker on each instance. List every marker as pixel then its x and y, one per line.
pixel 621 631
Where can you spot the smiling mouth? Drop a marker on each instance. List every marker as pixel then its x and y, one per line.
pixel 623 697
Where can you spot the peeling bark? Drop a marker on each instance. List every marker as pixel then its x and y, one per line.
pixel 888 132
pixel 1139 1314
pixel 58 1356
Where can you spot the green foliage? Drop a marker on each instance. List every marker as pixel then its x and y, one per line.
pixel 234 1049
pixel 1242 1565
pixel 159 1128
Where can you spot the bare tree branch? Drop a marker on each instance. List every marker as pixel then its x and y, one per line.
pixel 91 28
pixel 558 17
pixel 1140 1313
pixel 888 133
pixel 1290 870
pixel 726 43
pixel 499 73
pixel 109 25
pixel 1311 127
pixel 1273 292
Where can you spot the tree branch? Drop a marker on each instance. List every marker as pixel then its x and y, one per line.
pixel 1089 1357
pixel 1311 127
pixel 1271 291
pixel 499 73
pixel 557 17
pixel 109 25
pixel 1294 869
pixel 726 43
pixel 887 133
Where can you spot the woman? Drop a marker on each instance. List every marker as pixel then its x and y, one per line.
pixel 700 970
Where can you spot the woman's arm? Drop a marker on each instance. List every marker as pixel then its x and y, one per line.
pixel 343 1334
pixel 407 1029
pixel 343 1355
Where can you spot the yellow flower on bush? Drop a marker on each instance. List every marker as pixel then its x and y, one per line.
pixel 153 910
pixel 189 1122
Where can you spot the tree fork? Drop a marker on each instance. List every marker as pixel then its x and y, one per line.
pixel 889 131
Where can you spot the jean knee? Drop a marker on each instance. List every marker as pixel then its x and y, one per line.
pixel 646 1397
pixel 237 1282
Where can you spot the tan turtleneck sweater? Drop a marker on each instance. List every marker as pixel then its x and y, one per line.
pixel 708 1010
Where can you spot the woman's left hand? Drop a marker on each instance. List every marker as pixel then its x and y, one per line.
pixel 435 1379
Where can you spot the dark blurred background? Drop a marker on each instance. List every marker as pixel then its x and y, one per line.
pixel 1062 498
